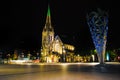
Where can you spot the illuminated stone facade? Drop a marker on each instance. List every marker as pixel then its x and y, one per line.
pixel 53 49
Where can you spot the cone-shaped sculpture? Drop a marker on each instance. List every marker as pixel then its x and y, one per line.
pixel 98 24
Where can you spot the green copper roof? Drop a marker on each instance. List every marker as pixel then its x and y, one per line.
pixel 48 13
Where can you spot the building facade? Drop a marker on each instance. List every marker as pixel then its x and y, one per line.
pixel 53 49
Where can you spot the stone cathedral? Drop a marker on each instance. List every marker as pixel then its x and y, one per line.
pixel 53 49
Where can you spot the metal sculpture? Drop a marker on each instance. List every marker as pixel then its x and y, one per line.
pixel 98 25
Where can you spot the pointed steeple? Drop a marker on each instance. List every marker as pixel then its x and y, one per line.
pixel 48 18
pixel 48 12
pixel 48 21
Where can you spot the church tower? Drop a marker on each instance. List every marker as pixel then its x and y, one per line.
pixel 47 37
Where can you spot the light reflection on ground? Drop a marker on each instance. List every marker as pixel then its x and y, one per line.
pixel 57 71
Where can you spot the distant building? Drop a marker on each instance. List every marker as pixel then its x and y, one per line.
pixel 53 49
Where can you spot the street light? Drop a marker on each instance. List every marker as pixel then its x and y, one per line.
pixel 63 53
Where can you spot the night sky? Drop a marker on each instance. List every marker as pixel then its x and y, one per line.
pixel 21 22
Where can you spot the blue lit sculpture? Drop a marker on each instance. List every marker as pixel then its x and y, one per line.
pixel 98 25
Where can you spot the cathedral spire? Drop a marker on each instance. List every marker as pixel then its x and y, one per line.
pixel 48 25
pixel 48 12
pixel 48 18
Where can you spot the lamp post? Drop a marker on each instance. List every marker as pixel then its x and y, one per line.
pixel 63 53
